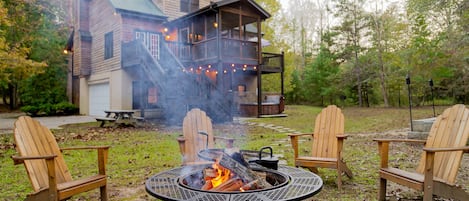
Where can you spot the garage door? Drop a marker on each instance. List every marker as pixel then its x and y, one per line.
pixel 99 99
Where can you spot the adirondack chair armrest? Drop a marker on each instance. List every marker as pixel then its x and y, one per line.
pixel 229 141
pixel 50 162
pixel 299 134
pixel 86 147
pixel 340 145
pixel 20 159
pixel 444 149
pixel 383 148
pixel 294 137
pixel 341 137
pixel 102 155
pixel 182 143
pixel 400 140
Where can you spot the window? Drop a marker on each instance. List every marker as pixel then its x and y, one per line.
pixel 144 95
pixel 108 45
pixel 241 90
pixel 189 5
pixel 151 41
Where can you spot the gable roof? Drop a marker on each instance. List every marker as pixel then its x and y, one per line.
pixel 146 7
pixel 264 13
pixel 214 6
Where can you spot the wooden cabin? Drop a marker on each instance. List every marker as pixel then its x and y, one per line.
pixel 165 57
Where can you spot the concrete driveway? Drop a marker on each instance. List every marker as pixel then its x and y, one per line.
pixel 8 119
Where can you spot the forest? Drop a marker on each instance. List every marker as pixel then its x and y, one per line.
pixel 347 52
pixel 359 52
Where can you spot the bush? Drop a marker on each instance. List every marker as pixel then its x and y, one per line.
pixel 30 110
pixel 62 108
pixel 66 108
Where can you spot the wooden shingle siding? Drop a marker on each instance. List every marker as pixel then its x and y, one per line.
pixel 102 21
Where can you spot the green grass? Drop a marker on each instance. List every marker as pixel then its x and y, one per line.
pixel 138 153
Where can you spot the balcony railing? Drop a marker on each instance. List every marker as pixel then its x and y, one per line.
pixel 272 63
pixel 232 51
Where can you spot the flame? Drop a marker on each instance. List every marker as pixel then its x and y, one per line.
pixel 223 174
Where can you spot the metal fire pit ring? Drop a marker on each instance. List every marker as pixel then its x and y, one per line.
pixel 165 185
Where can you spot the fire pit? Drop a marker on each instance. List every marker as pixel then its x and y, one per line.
pixel 289 183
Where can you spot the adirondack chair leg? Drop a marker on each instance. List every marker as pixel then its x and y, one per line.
pixel 382 189
pixel 103 191
pixel 39 196
pixel 339 178
pixel 313 169
pixel 345 169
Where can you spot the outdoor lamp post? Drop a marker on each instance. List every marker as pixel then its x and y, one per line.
pixel 407 81
pixel 430 82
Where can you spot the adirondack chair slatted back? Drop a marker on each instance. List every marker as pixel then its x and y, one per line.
pixel 329 123
pixel 194 122
pixel 34 139
pixel 450 129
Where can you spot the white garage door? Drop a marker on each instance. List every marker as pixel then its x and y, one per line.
pixel 99 99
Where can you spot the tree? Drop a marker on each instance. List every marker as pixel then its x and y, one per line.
pixel 19 19
pixel 352 32
pixel 320 75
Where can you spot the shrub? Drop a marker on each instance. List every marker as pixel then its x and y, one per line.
pixel 30 110
pixel 62 108
pixel 66 108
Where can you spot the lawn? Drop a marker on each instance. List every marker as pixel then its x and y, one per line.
pixel 137 153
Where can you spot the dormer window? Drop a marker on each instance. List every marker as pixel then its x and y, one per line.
pixel 189 5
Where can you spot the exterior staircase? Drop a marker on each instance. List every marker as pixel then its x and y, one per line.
pixel 179 91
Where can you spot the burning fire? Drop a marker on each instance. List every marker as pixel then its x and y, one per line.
pixel 222 175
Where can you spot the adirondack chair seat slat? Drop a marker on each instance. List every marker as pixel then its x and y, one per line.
pixel 69 189
pixel 307 158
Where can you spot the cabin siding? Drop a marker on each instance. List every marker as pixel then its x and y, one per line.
pixel 102 21
pixel 130 24
pixel 172 8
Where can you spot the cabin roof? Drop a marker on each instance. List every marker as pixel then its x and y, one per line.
pixel 146 7
pixel 215 5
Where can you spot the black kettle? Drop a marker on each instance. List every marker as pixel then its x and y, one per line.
pixel 268 162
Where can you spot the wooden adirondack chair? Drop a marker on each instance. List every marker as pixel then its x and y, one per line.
pixel 327 144
pixel 197 135
pixel 442 154
pixel 47 171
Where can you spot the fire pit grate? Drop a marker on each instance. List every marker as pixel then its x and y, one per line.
pixel 165 185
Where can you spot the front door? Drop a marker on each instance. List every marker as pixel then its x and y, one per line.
pixel 151 41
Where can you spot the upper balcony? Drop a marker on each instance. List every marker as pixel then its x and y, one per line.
pixel 224 33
